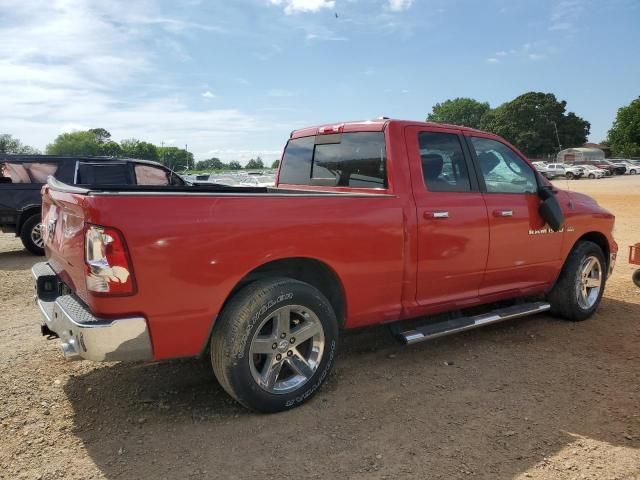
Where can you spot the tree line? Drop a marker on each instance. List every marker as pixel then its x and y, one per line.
pixel 539 125
pixel 535 122
pixel 97 141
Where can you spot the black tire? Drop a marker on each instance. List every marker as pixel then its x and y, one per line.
pixel 234 337
pixel 569 175
pixel 564 297
pixel 636 278
pixel 632 171
pixel 592 176
pixel 29 236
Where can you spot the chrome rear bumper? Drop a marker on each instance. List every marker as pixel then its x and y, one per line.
pixel 83 335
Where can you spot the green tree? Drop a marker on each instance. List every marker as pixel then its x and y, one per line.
pixel 624 136
pixel 235 165
pixel 530 120
pixel 75 143
pixel 110 149
pixel 102 135
pixel 175 158
pixel 134 148
pixel 275 164
pixel 12 146
pixel 212 164
pixel 459 111
pixel 255 163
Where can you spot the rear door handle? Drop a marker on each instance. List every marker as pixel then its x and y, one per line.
pixel 503 213
pixel 438 214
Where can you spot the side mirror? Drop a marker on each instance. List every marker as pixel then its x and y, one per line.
pixel 550 209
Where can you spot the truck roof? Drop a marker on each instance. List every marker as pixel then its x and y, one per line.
pixel 374 125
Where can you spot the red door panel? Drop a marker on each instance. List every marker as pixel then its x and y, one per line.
pixel 523 252
pixel 453 236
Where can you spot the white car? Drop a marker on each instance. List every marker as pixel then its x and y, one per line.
pixel 562 170
pixel 258 181
pixel 592 172
pixel 632 168
pixel 539 165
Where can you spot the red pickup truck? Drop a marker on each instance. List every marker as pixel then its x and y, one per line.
pixel 433 229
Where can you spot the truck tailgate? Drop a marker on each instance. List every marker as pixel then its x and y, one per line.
pixel 63 221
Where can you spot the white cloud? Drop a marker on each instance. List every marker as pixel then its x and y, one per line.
pixel 70 64
pixel 565 14
pixel 399 5
pixel 533 51
pixel 298 6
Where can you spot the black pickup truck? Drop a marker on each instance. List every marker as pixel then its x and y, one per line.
pixel 22 177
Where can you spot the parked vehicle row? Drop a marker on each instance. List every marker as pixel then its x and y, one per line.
pixel 587 169
pixel 247 179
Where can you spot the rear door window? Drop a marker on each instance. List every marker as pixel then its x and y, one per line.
pixel 27 172
pixel 356 159
pixel 107 173
pixel 443 164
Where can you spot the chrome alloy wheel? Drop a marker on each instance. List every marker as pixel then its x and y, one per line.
pixel 36 235
pixel 589 282
pixel 286 349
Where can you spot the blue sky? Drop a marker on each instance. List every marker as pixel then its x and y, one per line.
pixel 232 78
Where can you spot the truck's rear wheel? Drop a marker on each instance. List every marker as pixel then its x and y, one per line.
pixel 274 343
pixel 579 289
pixel 31 235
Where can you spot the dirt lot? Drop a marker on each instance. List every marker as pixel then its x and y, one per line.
pixel 533 398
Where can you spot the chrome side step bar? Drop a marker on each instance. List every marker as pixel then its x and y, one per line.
pixel 440 329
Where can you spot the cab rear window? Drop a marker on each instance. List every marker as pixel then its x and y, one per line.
pixel 356 159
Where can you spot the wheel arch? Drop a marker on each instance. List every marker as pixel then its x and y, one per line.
pixel 599 239
pixel 309 270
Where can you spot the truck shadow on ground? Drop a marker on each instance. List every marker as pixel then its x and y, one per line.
pixel 494 402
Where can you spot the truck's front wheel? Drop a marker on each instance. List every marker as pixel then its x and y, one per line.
pixel 274 344
pixel 579 289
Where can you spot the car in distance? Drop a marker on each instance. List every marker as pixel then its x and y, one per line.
pixel 562 170
pixel 22 178
pixel 630 168
pixel 592 172
pixel 373 222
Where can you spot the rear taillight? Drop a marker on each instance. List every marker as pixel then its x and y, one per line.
pixel 108 267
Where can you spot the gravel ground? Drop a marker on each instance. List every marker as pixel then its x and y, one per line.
pixel 532 398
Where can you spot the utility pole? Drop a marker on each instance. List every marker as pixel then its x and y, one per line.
pixel 557 136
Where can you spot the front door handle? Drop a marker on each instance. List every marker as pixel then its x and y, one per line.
pixel 503 213
pixel 438 214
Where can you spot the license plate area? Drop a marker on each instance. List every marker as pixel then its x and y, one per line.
pixel 50 287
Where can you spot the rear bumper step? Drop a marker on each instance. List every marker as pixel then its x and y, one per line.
pixel 83 335
pixel 430 331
